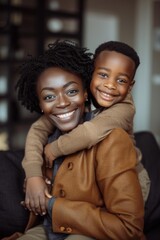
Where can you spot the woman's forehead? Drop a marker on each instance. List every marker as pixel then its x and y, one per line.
pixel 57 77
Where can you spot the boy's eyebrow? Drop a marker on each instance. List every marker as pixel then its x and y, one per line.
pixel 66 85
pixel 107 69
pixel 104 68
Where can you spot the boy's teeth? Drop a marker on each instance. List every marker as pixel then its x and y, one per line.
pixel 65 115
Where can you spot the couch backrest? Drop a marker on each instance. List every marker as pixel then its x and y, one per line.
pixel 151 161
pixel 13 217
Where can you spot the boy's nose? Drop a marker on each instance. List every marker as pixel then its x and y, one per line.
pixel 110 84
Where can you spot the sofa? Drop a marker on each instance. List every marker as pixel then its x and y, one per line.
pixel 151 160
pixel 13 217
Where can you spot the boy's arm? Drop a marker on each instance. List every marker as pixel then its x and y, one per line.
pixel 91 132
pixel 36 139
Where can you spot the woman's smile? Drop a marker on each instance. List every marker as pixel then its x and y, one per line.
pixel 65 115
pixel 62 97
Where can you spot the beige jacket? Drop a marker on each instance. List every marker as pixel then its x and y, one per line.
pixel 97 192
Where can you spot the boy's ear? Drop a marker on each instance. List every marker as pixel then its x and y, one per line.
pixel 131 85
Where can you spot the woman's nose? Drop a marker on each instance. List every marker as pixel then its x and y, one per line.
pixel 62 101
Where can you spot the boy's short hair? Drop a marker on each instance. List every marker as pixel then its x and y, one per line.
pixel 119 47
pixel 66 55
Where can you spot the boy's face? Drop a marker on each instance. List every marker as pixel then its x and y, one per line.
pixel 61 96
pixel 112 78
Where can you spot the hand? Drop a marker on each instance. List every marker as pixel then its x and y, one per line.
pixel 49 157
pixel 35 199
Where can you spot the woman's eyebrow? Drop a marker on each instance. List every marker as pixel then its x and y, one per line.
pixel 69 83
pixel 46 88
pixel 65 86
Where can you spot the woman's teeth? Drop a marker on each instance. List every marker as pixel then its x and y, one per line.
pixel 65 115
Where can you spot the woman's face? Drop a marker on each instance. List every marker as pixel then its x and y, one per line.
pixel 61 97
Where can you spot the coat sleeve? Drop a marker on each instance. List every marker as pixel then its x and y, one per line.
pixel 36 139
pixel 121 216
pixel 91 132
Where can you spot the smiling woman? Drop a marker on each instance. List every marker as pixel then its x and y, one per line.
pixel 61 97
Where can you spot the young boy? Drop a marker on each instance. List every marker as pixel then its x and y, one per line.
pixel 115 64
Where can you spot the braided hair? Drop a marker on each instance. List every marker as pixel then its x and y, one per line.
pixel 63 54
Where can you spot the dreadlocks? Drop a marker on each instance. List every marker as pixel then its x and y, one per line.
pixel 63 54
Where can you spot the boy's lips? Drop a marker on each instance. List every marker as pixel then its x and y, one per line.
pixel 107 96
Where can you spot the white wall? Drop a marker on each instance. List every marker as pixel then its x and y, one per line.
pixel 105 20
pixel 143 43
pixel 95 34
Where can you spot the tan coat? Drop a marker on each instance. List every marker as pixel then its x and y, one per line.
pixel 98 193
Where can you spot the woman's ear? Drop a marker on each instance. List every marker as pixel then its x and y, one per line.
pixel 86 96
pixel 41 108
pixel 87 102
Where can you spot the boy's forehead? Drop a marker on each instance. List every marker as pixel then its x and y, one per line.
pixel 113 57
pixel 112 54
pixel 115 62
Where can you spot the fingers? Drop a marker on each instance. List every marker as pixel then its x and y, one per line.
pixel 49 163
pixel 47 194
pixel 23 204
pixel 27 203
pixel 38 206
pixel 35 207
pixel 24 185
pixel 47 181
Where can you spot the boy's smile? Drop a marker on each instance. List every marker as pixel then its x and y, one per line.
pixel 112 78
pixel 61 96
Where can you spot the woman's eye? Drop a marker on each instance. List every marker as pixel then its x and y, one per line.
pixel 49 97
pixel 72 92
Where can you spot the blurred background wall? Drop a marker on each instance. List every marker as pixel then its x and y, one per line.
pixel 26 27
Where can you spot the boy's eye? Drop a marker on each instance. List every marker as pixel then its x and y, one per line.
pixel 122 81
pixel 103 75
pixel 72 92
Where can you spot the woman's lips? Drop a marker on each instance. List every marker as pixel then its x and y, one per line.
pixel 65 115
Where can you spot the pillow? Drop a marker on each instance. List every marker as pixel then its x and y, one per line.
pixel 13 217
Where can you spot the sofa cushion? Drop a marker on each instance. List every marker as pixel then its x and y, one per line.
pixel 151 160
pixel 13 217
